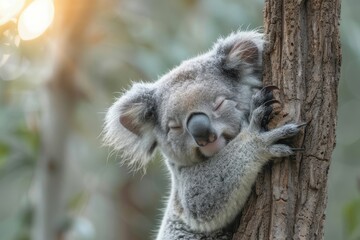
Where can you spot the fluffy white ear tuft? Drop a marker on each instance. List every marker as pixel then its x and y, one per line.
pixel 240 49
pixel 129 125
pixel 242 52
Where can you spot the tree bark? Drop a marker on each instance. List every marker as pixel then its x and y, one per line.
pixel 302 58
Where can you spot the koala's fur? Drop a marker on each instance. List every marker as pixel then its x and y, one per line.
pixel 211 182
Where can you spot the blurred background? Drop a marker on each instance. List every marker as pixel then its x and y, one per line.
pixel 63 62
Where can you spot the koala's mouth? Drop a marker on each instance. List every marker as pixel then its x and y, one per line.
pixel 212 148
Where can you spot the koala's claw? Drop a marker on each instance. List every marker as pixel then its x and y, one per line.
pixel 263 99
pixel 271 102
pixel 261 116
pixel 268 114
pixel 270 88
pixel 280 150
pixel 283 150
pixel 283 132
pixel 297 149
pixel 262 96
pixel 303 124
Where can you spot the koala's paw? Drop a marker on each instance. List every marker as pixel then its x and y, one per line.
pixel 272 137
pixel 260 115
pixel 264 97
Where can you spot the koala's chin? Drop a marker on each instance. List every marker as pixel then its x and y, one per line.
pixel 211 149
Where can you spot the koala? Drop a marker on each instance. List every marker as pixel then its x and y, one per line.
pixel 208 118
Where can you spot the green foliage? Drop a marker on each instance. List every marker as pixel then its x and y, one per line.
pixel 4 152
pixel 351 216
pixel 18 144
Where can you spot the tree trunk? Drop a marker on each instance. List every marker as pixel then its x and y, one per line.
pixel 302 58
pixel 60 96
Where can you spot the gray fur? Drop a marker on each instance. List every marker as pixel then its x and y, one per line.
pixel 211 184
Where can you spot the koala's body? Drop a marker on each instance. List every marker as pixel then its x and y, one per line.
pixel 207 117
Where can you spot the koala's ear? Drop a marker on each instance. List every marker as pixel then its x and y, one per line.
pixel 130 122
pixel 138 114
pixel 240 50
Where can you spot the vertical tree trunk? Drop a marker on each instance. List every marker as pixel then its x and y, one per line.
pixel 303 59
pixel 61 94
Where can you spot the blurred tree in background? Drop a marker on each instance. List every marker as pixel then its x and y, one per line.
pixel 80 61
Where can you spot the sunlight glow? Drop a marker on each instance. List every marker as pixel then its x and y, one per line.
pixel 35 19
pixel 8 9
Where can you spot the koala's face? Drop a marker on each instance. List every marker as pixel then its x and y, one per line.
pixel 199 111
pixel 192 112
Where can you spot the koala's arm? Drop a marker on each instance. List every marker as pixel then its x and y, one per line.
pixel 212 192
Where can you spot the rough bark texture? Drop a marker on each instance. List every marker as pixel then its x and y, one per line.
pixel 303 59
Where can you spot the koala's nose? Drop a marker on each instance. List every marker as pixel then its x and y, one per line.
pixel 199 126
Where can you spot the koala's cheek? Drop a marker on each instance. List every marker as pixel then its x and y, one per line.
pixel 174 147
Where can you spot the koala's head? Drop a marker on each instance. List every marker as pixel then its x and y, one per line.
pixel 193 111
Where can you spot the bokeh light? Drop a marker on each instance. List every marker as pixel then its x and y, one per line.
pixel 35 19
pixel 8 9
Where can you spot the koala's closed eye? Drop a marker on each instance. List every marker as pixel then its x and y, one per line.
pixel 219 101
pixel 174 126
pixel 223 103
